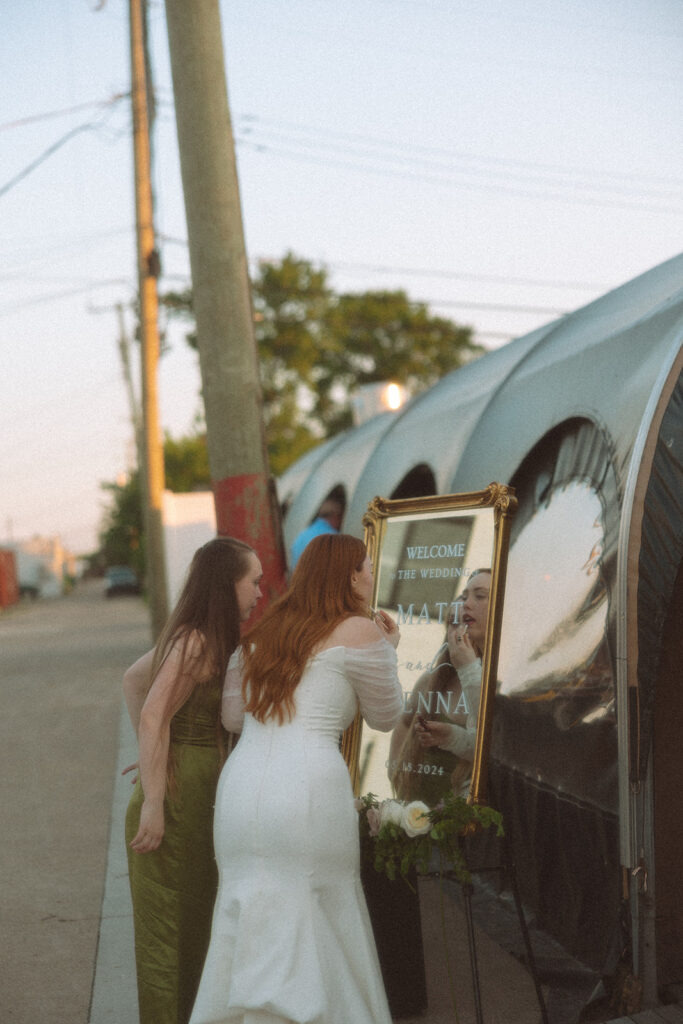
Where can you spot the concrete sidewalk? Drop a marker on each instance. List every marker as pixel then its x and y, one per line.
pixel 115 997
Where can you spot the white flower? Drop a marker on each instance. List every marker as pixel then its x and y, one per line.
pixel 414 819
pixel 391 812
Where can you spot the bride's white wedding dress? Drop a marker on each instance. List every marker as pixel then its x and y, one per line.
pixel 291 939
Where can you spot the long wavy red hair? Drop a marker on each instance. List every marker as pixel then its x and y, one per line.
pixel 319 597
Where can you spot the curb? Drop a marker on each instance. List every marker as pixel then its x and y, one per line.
pixel 115 996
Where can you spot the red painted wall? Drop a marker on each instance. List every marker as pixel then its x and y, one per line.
pixel 9 586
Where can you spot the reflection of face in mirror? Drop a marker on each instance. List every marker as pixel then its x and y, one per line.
pixel 472 609
pixel 432 747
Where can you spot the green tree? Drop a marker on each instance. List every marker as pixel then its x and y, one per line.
pixel 291 301
pixel 186 463
pixel 378 336
pixel 317 347
pixel 122 533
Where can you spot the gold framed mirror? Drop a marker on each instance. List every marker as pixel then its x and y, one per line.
pixel 439 567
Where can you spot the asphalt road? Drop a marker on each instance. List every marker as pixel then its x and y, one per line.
pixel 61 664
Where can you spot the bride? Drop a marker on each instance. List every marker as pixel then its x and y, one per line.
pixel 291 941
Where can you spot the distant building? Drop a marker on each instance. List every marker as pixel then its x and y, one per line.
pixel 43 566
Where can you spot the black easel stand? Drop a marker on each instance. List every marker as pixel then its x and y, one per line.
pixel 507 866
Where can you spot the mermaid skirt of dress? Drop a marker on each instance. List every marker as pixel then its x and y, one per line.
pixel 291 938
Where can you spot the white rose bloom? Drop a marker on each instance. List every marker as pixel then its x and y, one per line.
pixel 391 811
pixel 414 820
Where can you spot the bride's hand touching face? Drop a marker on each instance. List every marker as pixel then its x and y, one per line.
pixel 363 584
pixel 388 627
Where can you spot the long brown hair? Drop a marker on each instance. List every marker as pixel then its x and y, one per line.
pixel 319 597
pixel 207 609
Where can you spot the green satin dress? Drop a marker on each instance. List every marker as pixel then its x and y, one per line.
pixel 173 889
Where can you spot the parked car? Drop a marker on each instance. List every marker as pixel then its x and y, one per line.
pixel 120 579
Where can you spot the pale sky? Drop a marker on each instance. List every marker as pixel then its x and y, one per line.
pixel 504 160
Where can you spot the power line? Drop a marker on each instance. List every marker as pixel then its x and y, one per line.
pixel 67 293
pixel 433 303
pixel 491 306
pixel 43 157
pixel 404 151
pixel 425 272
pixel 256 122
pixel 87 126
pixel 447 178
pixel 62 112
pixel 40 252
pixel 468 304
pixel 463 276
pixel 613 28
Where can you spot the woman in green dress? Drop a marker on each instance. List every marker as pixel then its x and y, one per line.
pixel 182 747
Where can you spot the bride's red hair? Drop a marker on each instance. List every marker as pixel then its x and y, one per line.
pixel 319 597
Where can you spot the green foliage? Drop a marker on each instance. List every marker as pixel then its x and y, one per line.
pixel 186 464
pixel 122 533
pixel 394 852
pixel 290 300
pixel 317 347
pixel 385 336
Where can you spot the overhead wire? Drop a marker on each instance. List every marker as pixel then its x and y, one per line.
pixel 48 115
pixel 614 27
pixel 442 175
pixel 91 125
pixel 66 293
pixel 374 148
pixel 464 276
pixel 257 120
pixel 451 303
pixel 425 272
pixel 403 151
pixel 44 156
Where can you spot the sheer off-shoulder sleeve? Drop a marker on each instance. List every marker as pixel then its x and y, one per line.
pixel 232 707
pixel 373 673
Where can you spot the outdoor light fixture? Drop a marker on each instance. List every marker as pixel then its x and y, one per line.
pixel 371 399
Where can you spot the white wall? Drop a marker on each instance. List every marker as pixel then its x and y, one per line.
pixel 189 521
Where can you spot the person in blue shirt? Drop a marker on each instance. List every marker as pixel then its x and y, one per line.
pixel 328 520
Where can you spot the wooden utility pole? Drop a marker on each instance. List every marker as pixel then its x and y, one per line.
pixel 245 505
pixel 152 469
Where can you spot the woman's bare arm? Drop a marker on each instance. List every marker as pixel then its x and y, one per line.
pixel 136 684
pixel 168 692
